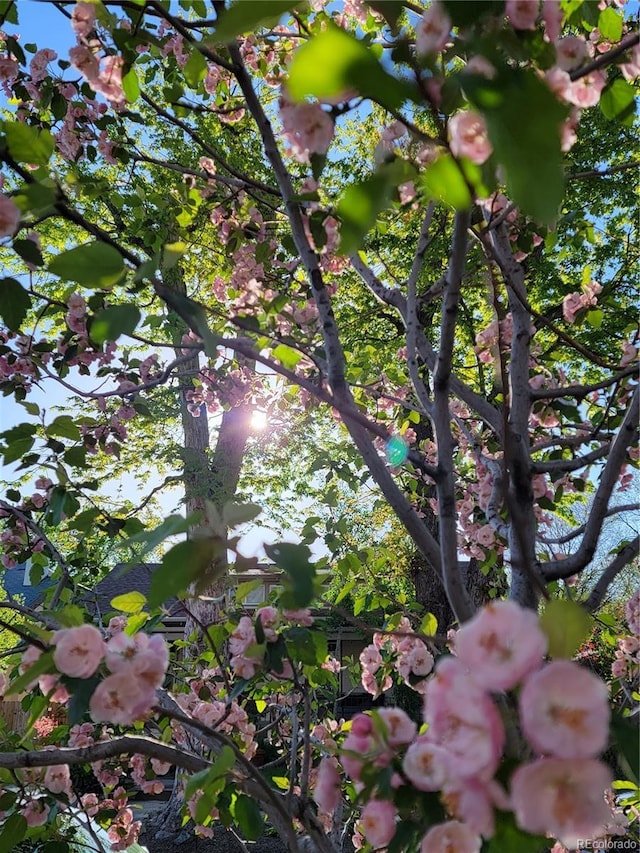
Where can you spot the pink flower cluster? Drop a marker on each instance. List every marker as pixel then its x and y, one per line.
pixel 580 301
pixel 627 661
pixel 433 29
pixel 308 128
pixel 137 664
pixel 563 712
pixel 468 137
pixel 400 651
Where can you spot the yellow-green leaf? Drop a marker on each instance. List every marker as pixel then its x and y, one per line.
pixel 567 625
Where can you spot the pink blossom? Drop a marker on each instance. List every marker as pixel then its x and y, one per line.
pixel 302 616
pixel 522 14
pixel 426 765
pixel 632 612
pixel 145 656
pixel 78 651
pixel 85 61
pixel 585 91
pixel 553 16
pixel 91 804
pixel 123 831
pixel 307 128
pixel 400 728
pixel 109 82
pixel 120 699
pixel 378 822
pixel 432 31
pixel 571 52
pixel 564 709
pixel 450 837
pixel 327 793
pixel 631 69
pixel 468 137
pixel 501 645
pixel 473 802
pixel 38 65
pixel 9 69
pixel 269 617
pixel 563 798
pixel 242 636
pixel 36 812
pixel 9 216
pixel 485 536
pixel 463 719
pixel 417 661
pixel 57 779
pixel 480 65
pixel 370 659
pixel 50 686
pixel 83 19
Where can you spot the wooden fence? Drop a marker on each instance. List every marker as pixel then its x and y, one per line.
pixel 13 715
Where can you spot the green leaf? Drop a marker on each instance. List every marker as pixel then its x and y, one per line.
pixel 180 567
pixel 595 317
pixel 444 181
pixel 234 513
pixel 61 503
pixel 249 817
pixel 131 86
pixel 14 303
pixel 610 25
pixel 358 209
pixel 203 780
pixel 85 520
pixel 245 589
pixel 65 427
pixel 469 12
pixel 28 251
pixel 13 831
pixel 618 101
pixel 195 68
pixel 27 144
pixel 566 625
pixel 61 847
pixel 287 356
pixel 389 9
pixel 129 602
pixel 294 560
pixel 509 838
pixel 429 625
pixel 171 254
pixel 150 539
pixel 523 119
pixel 114 321
pixel 93 265
pixel 626 738
pixel 70 616
pixel 40 667
pixel 244 16
pixel 334 63
pixel 81 690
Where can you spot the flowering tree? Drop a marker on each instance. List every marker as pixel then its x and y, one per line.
pixel 381 210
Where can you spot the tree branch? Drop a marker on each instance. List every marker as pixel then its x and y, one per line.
pixel 600 505
pixel 622 559
pixel 441 419
pixel 568 537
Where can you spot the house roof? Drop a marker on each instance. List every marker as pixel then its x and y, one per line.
pixel 13 581
pixel 125 577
